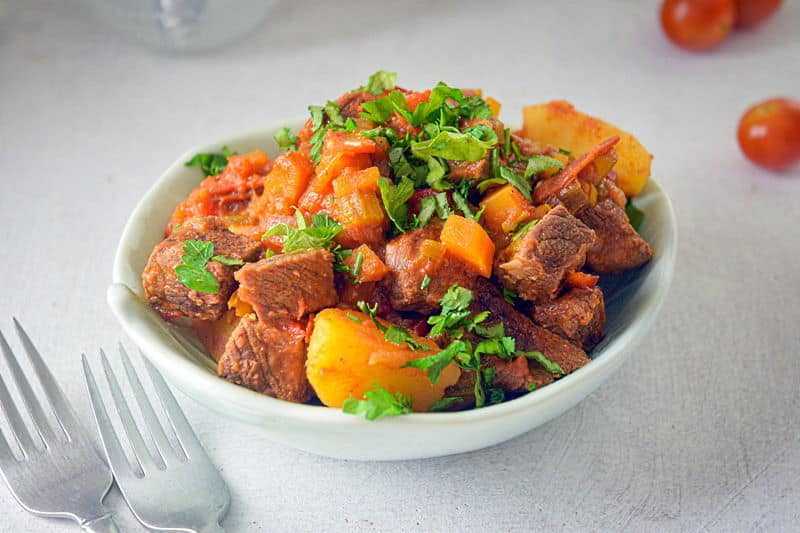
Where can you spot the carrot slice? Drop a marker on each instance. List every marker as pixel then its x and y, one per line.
pixel 467 240
pixel 551 186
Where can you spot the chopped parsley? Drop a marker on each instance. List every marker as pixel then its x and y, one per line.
pixel 192 271
pixel 319 234
pixel 509 295
pixel 425 282
pixel 550 366
pixel 380 82
pixel 444 403
pixel 395 200
pixel 211 164
pixel 285 139
pixel 455 316
pixel 354 318
pixel 635 215
pixel 378 403
pixel 394 334
pixel 523 229
pixel 539 163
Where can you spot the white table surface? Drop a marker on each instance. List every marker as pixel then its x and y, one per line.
pixel 699 431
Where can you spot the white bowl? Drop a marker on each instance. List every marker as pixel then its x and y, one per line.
pixel 633 301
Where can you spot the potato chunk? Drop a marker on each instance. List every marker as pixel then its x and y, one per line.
pixel 560 124
pixel 348 354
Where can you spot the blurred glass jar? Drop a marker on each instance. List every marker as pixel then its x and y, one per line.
pixel 182 25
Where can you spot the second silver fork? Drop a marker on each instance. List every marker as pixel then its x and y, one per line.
pixel 172 488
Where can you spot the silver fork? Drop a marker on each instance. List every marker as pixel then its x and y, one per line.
pixel 174 488
pixel 60 474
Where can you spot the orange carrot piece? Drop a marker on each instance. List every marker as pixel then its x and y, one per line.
pixel 504 209
pixel 283 186
pixel 467 240
pixel 581 280
pixel 371 269
pixel 352 180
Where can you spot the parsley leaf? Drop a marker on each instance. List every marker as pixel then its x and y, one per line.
pixel 635 215
pixel 434 364
pixel 381 82
pixel 452 145
pixel 381 109
pixel 227 261
pixel 379 403
pixel 192 271
pixel 509 295
pixel 427 207
pixel 455 315
pixel 517 180
pixel 285 139
pixel 539 163
pixel 550 366
pixel 399 335
pixel 395 198
pixel 523 228
pixel 211 164
pixel 425 282
pixel 444 403
pixel 320 234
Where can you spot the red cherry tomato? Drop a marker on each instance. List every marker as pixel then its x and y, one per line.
pixel 769 133
pixel 750 13
pixel 698 24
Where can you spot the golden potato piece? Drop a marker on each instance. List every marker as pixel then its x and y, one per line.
pixel 560 124
pixel 346 357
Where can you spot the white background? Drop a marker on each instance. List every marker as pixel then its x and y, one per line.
pixel 698 431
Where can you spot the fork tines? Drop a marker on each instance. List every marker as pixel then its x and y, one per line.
pixel 146 483
pixel 68 426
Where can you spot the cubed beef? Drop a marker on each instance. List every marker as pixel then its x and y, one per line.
pixel 170 297
pixel 529 336
pixel 288 286
pixel 617 246
pixel 268 358
pixel 408 267
pixel 578 316
pixel 472 170
pixel 535 264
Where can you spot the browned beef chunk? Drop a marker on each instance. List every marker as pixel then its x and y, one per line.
pixel 617 246
pixel 534 265
pixel 408 267
pixel 288 286
pixel 268 358
pixel 464 388
pixel 469 169
pixel 578 316
pixel 171 298
pixel 529 336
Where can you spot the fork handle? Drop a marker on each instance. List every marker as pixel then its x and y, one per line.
pixel 102 524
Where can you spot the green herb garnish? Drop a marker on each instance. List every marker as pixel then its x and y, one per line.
pixel 211 164
pixel 395 198
pixel 319 234
pixel 381 82
pixel 379 403
pixel 425 282
pixel 550 366
pixel 285 139
pixel 192 271
pixel 635 215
